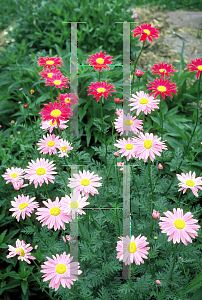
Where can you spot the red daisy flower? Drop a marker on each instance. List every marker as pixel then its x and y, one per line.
pixel 162 69
pixel 56 112
pixel 50 62
pixel 48 73
pixel 163 87
pixel 57 80
pixel 68 99
pixel 146 31
pixel 99 61
pixel 101 88
pixel 195 66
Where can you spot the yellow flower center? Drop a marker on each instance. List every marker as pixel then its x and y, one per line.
pixel 14 175
pixel 147 144
pixel 50 62
pixel 100 60
pixel 21 251
pixel 40 171
pixel 51 123
pixel 161 88
pixel 132 248
pixel 162 70
pixel 55 113
pixel 100 90
pixel 128 122
pixel 74 204
pixel 85 182
pixel 57 82
pixel 23 205
pixel 64 149
pixel 143 101
pixel 50 143
pixel 55 211
pixel 190 182
pixel 67 100
pixel 31 92
pixel 50 75
pixel 179 224
pixel 61 269
pixel 200 67
pixel 129 146
pixel 146 31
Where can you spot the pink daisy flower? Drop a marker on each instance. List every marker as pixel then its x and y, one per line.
pixel 22 250
pixel 146 145
pixel 13 175
pixel 73 204
pixel 85 183
pixel 48 144
pixel 189 181
pixel 179 226
pixel 53 215
pixel 68 99
pixel 57 80
pixel 127 148
pixel 50 62
pixel 49 125
pixel 64 147
pixel 19 184
pixel 143 102
pixel 23 205
pixel 60 270
pixel 124 124
pixel 40 171
pixel 131 249
pixel 48 73
pixel 120 164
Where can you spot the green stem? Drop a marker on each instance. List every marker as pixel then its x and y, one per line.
pixel 43 289
pixel 66 239
pixel 119 177
pixel 60 171
pixel 151 229
pixel 171 274
pixel 44 185
pixel 161 118
pixel 135 66
pixel 150 181
pixel 51 94
pixel 185 274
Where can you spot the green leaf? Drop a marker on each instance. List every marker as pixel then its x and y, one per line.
pixel 2 236
pixel 189 96
pixel 24 285
pixel 43 98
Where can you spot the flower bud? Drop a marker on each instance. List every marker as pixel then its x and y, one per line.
pixel 32 92
pixel 139 73
pixel 155 215
pixel 160 167
pixel 116 153
pixel 11 136
pixel 68 238
pixel 121 169
pixel 25 105
pixel 158 282
pixel 12 122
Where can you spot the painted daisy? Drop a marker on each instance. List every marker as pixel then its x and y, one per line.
pixel 73 204
pixel 68 99
pixel 53 215
pixel 22 250
pixel 163 69
pixel 19 184
pixel 55 112
pixel 23 205
pixel 163 87
pixel 57 80
pixel 100 88
pixel 60 270
pixel 48 144
pixel 99 61
pixel 13 175
pixel 49 125
pixel 146 31
pixel 64 147
pixel 139 73
pixel 124 124
pixel 146 145
pixel 48 73
pixel 40 171
pixel 131 249
pixel 50 62
pixel 195 66
pixel 143 102
pixel 85 183
pixel 188 181
pixel 127 148
pixel 179 226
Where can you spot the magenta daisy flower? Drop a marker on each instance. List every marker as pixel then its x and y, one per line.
pixel 49 125
pixel 55 112
pixel 124 124
pixel 48 73
pixel 68 99
pixel 162 69
pixel 143 102
pixel 57 80
pixel 131 249
pixel 22 250
pixel 48 144
pixel 146 31
pixel 73 204
pixel 40 171
pixel 85 183
pixel 53 215
pixel 23 205
pixel 101 88
pixel 99 61
pixel 50 62
pixel 163 87
pixel 60 270
pixel 127 148
pixel 195 66
pixel 189 181
pixel 179 226
pixel 146 145
pixel 13 175
pixel 64 147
